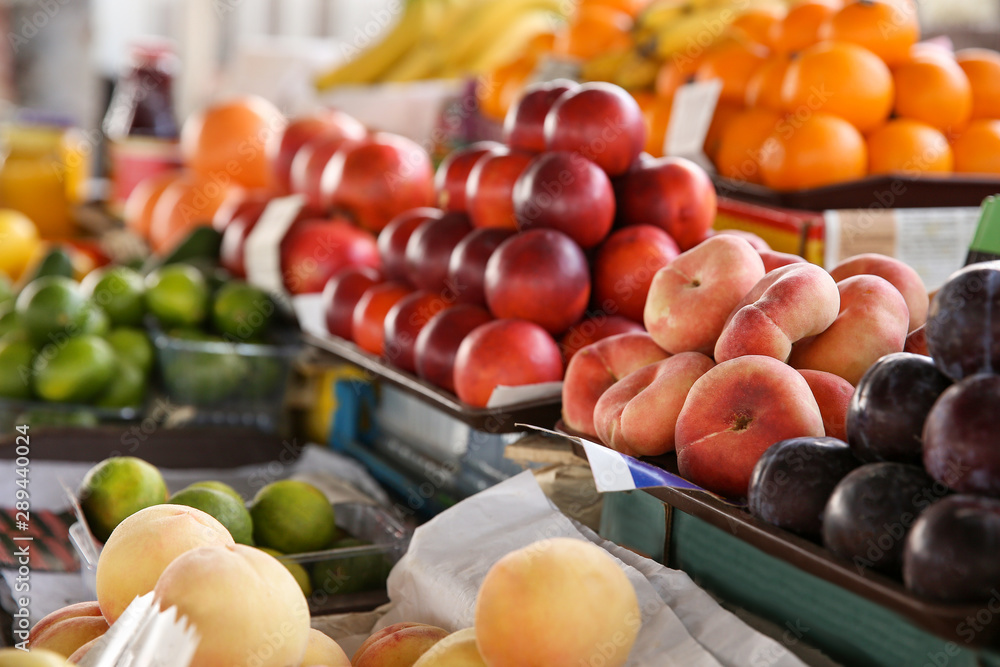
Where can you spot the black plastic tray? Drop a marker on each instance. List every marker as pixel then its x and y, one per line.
pixel 494 420
pixel 885 192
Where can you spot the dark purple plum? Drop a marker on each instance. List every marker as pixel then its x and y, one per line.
pixel 794 478
pixel 951 552
pixel 961 448
pixel 963 323
pixel 872 509
pixel 885 419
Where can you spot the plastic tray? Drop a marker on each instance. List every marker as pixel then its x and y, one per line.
pixel 38 414
pixel 225 380
pixel 365 568
pixel 881 191
pixel 493 420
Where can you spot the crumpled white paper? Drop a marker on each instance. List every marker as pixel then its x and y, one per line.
pixel 437 580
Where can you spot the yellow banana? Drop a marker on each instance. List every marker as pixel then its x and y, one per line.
pixel 605 66
pixel 489 18
pixel 694 31
pixel 508 43
pixel 369 65
pixel 636 72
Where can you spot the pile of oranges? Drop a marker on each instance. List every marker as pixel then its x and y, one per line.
pixel 225 148
pixel 833 91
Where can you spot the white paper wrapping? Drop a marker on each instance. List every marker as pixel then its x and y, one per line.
pixel 437 580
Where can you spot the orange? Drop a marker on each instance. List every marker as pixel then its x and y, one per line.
pixel 888 28
pixel 630 7
pixel 741 142
pixel 846 80
pixel 138 211
pixel 228 141
pixel 656 114
pixel 982 67
pixel 734 60
pixel 977 148
pixel 801 25
pixel 933 89
pixel 673 74
pixel 755 24
pixel 909 147
pixel 186 203
pixel 595 29
pixel 497 90
pixel 764 87
pixel 540 44
pixel 724 112
pixel 820 150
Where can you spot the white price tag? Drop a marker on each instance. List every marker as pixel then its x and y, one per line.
pixel 550 69
pixel 690 117
pixel 309 311
pixel 262 251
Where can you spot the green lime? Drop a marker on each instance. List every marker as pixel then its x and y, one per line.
pixel 51 308
pixel 241 313
pixel 127 388
pixel 6 292
pixel 16 358
pixel 177 295
pixel 40 417
pixel 119 292
pixel 204 377
pixel 230 512
pixel 117 488
pixel 351 574
pixel 218 486
pixel 77 371
pixel 292 517
pixel 299 572
pixel 9 322
pixel 95 321
pixel 134 346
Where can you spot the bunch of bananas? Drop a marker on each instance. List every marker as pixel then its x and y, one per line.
pixel 664 30
pixel 447 39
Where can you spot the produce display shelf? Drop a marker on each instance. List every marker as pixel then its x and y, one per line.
pixel 884 192
pixel 493 420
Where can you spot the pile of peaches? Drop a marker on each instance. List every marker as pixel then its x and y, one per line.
pixel 833 91
pixel 538 246
pixel 738 356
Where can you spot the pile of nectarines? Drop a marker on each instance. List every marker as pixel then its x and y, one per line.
pixel 744 347
pixel 538 247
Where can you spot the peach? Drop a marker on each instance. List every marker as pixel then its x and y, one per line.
pixel 341 295
pixel 507 353
pixel 384 632
pixel 902 276
pixel 429 248
pixel 872 323
pixel 489 189
pixel 456 650
pixel 833 395
pixel 560 601
pixel 403 324
pixel 916 342
pixel 401 647
pixel 638 414
pixel 624 267
pixel 143 545
pixel 733 413
pixel 245 604
pixel 79 609
pixel 788 304
pixel 437 344
pixel 597 367
pixel 453 173
pixel 594 328
pixel 756 241
pixel 540 275
pixel 395 236
pixel 66 630
pixel 773 259
pixel 322 650
pixel 80 653
pixel 691 298
pixel 368 318
pixel 467 265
